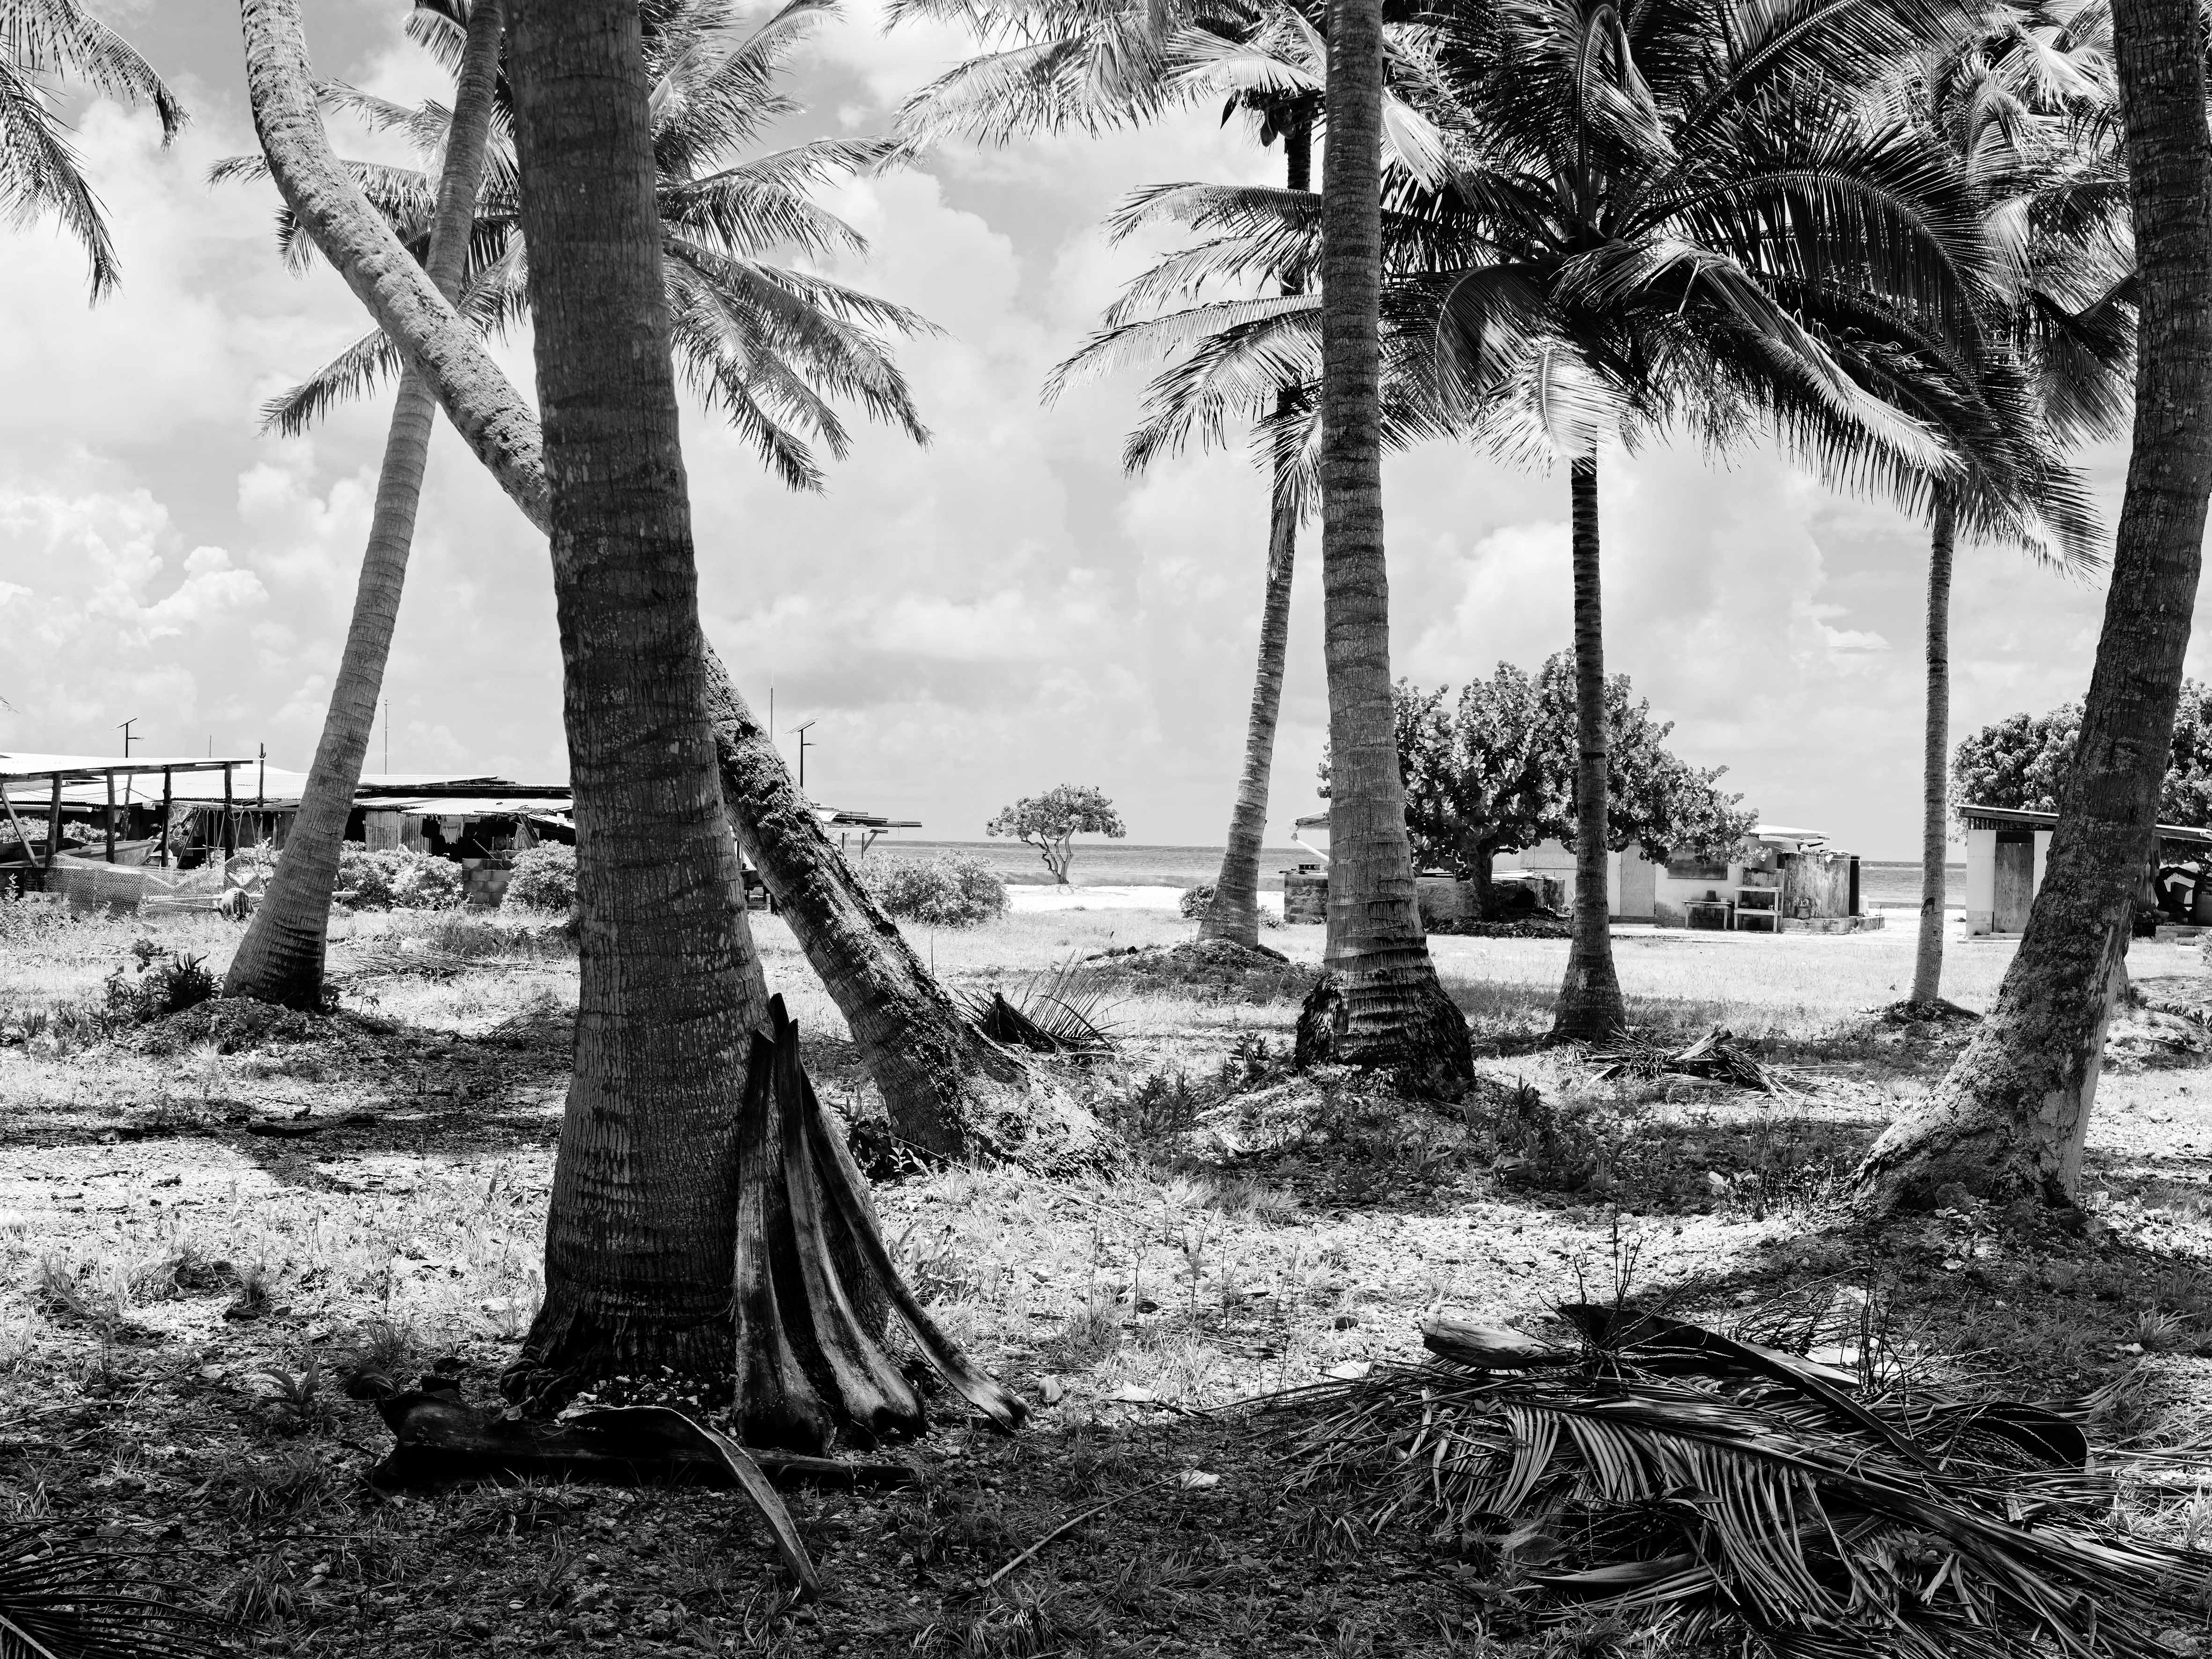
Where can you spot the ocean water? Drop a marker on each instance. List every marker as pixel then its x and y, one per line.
pixel 1100 863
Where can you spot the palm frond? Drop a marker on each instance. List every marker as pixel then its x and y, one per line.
pixel 61 1601
pixel 1707 1487
pixel 39 174
pixel 62 39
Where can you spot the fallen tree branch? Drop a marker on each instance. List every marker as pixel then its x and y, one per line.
pixel 1071 1523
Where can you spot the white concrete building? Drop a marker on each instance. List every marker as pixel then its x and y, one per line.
pixel 2007 848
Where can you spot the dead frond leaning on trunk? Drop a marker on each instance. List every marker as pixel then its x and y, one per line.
pixel 1703 1486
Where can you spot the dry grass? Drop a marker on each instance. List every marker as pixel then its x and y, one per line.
pixel 136 1218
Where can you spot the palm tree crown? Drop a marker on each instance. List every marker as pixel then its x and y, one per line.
pixel 42 43
pixel 772 346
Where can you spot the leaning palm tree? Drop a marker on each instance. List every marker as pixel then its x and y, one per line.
pixel 767 345
pixel 1049 66
pixel 42 43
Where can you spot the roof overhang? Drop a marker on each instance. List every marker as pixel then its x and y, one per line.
pixel 16 766
pixel 2022 817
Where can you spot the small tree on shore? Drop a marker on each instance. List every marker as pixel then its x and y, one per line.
pixel 1051 821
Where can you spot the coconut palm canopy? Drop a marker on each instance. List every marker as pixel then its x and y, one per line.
pixel 772 346
pixel 1701 217
pixel 43 44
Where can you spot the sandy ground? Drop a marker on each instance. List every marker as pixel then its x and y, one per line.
pixel 388 1170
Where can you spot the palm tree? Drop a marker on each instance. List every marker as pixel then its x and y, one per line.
pixel 1687 206
pixel 1614 272
pixel 2021 99
pixel 946 1089
pixel 642 1227
pixel 43 42
pixel 1055 66
pixel 281 958
pixel 1379 1000
pixel 2010 1118
pixel 767 344
pixel 646 1175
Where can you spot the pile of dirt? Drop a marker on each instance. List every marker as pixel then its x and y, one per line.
pixel 231 1024
pixel 1216 969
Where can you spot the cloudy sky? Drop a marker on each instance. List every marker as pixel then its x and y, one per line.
pixel 966 623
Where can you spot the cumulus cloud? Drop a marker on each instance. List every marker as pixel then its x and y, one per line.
pixel 965 622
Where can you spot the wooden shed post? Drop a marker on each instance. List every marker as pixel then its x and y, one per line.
pixel 111 817
pixel 166 801
pixel 54 821
pixel 229 819
pixel 22 835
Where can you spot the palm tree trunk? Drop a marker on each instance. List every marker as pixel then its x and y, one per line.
pixel 1935 758
pixel 1379 1002
pixel 2010 1118
pixel 281 958
pixel 1234 915
pixel 944 1087
pixel 640 1234
pixel 1590 1004
pixel 501 429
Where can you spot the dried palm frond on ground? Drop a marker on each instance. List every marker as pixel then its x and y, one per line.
pixel 58 1602
pixel 1704 1486
pixel 1062 1011
pixel 1717 1056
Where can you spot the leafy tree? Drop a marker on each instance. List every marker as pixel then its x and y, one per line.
pixel 1051 821
pixel 1494 772
pixel 2019 762
pixel 44 42
pixel 2024 760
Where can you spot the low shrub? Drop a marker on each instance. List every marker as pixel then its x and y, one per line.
pixel 397 878
pixel 31 918
pixel 544 878
pixel 948 890
pixel 166 983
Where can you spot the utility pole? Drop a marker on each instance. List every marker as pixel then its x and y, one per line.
pixel 805 743
pixel 388 734
pixel 127 783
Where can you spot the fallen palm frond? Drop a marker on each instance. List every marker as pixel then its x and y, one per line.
pixel 57 1602
pixel 1061 1011
pixel 1704 1486
pixel 1717 1056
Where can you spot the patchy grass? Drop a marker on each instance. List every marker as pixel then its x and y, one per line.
pixel 182 1293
